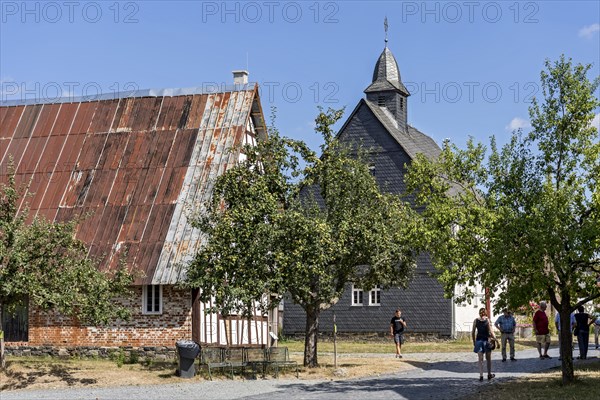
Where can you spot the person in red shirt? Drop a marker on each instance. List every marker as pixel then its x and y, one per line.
pixel 541 330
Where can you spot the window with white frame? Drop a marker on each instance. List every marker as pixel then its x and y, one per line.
pixel 375 296
pixel 357 296
pixel 152 299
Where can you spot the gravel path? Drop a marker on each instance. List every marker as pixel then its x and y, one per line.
pixel 434 376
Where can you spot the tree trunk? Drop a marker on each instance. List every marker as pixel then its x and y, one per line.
pixel 310 341
pixel 566 340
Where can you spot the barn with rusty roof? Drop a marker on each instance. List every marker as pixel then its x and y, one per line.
pixel 130 168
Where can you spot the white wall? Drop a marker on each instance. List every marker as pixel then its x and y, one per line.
pixel 465 313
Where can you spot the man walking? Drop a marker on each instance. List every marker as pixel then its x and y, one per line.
pixel 540 328
pixel 397 325
pixel 506 324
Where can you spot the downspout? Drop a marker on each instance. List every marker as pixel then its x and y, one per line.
pixel 453 333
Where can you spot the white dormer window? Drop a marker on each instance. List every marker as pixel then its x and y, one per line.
pixel 375 296
pixel 357 296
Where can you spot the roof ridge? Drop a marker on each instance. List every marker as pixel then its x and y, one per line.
pixel 164 92
pixel 412 144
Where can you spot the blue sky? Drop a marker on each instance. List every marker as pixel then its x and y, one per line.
pixel 471 66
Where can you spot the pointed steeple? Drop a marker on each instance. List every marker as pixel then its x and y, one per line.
pixel 387 90
pixel 386 75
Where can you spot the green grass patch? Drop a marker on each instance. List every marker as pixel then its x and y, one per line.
pixel 383 346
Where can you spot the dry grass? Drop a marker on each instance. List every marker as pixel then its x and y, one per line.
pixel 547 385
pixel 355 359
pixel 45 373
pixel 350 367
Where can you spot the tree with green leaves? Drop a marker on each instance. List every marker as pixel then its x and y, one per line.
pixel 524 220
pixel 44 265
pixel 287 221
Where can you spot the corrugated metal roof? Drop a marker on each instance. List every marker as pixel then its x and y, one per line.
pixel 130 168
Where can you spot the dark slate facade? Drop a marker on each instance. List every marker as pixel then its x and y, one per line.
pixel 379 125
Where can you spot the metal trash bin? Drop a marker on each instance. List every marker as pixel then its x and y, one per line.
pixel 188 350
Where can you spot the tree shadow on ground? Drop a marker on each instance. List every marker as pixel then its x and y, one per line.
pixel 431 380
pixel 157 366
pixel 165 369
pixel 382 387
pixel 522 365
pixel 21 380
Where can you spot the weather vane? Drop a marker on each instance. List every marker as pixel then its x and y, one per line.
pixel 385 26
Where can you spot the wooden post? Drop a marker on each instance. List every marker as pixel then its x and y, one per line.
pixel 488 306
pixel 2 359
pixel 334 342
pixel 196 316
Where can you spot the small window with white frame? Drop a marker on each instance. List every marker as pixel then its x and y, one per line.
pixel 152 299
pixel 357 296
pixel 375 296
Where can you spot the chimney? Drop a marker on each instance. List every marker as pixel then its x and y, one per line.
pixel 240 77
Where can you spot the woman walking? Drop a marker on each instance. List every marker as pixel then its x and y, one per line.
pixel 481 334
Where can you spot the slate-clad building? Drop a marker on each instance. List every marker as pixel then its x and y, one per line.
pixel 379 124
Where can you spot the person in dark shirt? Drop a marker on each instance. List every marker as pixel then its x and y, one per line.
pixel 596 331
pixel 481 333
pixel 397 326
pixel 582 330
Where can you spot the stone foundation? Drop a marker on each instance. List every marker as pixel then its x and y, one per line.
pixel 128 353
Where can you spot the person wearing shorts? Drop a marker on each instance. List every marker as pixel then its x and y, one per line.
pixel 397 326
pixel 481 334
pixel 542 331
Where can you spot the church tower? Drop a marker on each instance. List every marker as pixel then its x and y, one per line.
pixel 387 89
pixel 378 126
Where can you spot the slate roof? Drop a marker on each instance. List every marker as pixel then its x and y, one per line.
pixel 130 167
pixel 413 141
pixel 386 75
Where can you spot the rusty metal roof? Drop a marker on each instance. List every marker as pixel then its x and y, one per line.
pixel 129 168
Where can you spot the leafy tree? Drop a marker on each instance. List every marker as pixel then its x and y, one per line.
pixel 43 263
pixel 287 221
pixel 526 219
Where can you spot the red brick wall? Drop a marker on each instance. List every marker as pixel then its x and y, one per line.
pixel 52 329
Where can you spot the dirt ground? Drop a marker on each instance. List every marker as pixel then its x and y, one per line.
pixel 25 373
